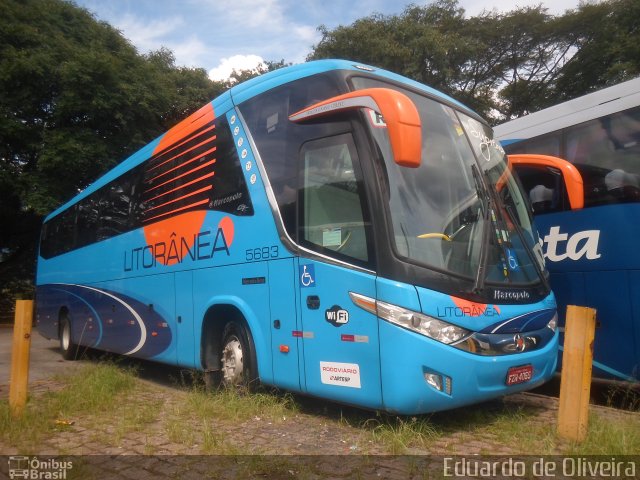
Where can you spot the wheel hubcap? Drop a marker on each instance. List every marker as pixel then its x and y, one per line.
pixel 66 336
pixel 232 364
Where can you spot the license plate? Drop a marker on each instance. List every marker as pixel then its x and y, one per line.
pixel 521 374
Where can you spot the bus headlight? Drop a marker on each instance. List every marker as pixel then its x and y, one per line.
pixel 553 323
pixel 428 326
pixel 417 322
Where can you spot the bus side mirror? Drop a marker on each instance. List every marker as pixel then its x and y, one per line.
pixel 398 111
pixel 570 174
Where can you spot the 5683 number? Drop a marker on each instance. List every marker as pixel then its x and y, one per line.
pixel 261 253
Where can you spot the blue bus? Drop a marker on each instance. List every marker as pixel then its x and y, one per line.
pixel 591 252
pixel 328 228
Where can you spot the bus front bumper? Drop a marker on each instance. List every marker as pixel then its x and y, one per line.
pixel 421 375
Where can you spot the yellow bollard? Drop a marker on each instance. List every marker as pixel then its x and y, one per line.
pixel 575 380
pixel 20 356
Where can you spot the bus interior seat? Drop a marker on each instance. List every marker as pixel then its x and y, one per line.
pixel 542 199
pixel 622 185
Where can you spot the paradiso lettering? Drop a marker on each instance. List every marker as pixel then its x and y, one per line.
pixel 579 245
pixel 202 246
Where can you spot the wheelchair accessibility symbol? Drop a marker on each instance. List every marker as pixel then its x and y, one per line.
pixel 512 260
pixel 307 275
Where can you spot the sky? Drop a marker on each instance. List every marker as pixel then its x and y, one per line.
pixel 219 35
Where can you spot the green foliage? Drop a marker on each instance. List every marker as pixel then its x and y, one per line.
pixel 239 76
pixel 607 48
pixel 75 99
pixel 503 65
pixel 94 389
pixel 184 89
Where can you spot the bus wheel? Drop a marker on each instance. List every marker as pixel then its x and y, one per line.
pixel 236 361
pixel 68 349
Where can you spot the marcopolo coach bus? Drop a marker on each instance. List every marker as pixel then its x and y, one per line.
pixel 591 252
pixel 327 228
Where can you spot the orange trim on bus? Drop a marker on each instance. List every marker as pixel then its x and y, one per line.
pixel 181 229
pixel 190 194
pixel 570 174
pixel 186 127
pixel 200 167
pixel 211 150
pixel 202 202
pixel 399 113
pixel 199 179
pixel 210 139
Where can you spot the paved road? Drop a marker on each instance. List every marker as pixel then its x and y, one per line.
pixel 139 438
pixel 46 362
pixel 45 359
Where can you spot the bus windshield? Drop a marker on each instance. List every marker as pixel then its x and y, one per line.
pixel 461 211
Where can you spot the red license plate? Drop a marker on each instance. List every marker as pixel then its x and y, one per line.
pixel 521 374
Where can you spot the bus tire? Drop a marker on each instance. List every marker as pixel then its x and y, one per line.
pixel 237 359
pixel 68 348
pixel 212 380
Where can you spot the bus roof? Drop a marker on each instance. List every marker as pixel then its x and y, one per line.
pixel 249 89
pixel 262 83
pixel 609 100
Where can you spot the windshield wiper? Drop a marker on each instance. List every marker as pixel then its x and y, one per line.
pixel 485 201
pixel 493 194
pixel 527 248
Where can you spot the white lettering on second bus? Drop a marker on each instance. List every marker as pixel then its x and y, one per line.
pixel 579 245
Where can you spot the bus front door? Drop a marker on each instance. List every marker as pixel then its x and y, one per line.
pixel 340 340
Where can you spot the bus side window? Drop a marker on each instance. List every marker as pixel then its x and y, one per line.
pixel 88 221
pixel 278 140
pixel 607 153
pixel 333 214
pixel 230 193
pixel 545 187
pixel 543 145
pixel 58 234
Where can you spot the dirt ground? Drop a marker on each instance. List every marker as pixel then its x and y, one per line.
pixel 315 442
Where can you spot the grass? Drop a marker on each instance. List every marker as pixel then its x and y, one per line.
pixel 109 403
pixel 398 434
pixel 239 406
pixel 97 392
pixel 609 437
pixel 224 406
pixel 624 395
pixel 515 427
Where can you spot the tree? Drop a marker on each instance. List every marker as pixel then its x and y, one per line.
pixel 532 51
pixel 436 45
pixel 607 48
pixel 239 76
pixel 503 65
pixel 186 89
pixel 75 99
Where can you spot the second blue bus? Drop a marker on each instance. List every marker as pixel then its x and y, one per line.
pixel 592 251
